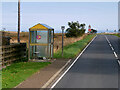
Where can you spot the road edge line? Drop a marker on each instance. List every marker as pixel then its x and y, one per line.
pixel 55 75
pixel 72 63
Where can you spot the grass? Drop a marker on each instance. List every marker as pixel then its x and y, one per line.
pixel 72 50
pixel 116 35
pixel 0 79
pixel 17 72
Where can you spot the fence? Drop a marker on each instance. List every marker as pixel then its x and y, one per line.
pixel 13 52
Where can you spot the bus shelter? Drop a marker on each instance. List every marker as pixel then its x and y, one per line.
pixel 41 39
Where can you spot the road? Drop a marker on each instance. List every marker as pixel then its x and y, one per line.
pixel 115 41
pixel 97 67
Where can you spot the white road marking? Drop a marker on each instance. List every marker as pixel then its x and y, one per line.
pixel 110 45
pixel 71 64
pixel 112 48
pixel 119 62
pixel 115 54
pixel 55 75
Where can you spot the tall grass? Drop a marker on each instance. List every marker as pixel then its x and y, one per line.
pixel 72 50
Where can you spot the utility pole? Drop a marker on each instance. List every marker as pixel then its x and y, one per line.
pixel 62 27
pixel 18 21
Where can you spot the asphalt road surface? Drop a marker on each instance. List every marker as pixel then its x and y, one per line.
pixel 97 67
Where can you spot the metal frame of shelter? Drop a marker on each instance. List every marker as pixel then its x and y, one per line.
pixel 46 32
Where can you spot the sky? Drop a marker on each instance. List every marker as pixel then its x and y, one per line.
pixel 100 15
pixel 119 16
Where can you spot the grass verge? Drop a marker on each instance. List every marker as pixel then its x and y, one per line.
pixel 0 79
pixel 116 35
pixel 17 72
pixel 72 50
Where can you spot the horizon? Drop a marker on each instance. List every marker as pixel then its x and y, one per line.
pixel 60 31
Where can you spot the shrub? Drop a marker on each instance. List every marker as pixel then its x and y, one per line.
pixel 75 29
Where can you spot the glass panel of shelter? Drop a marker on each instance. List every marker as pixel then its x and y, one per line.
pixel 50 42
pixel 38 37
pixel 41 37
pixel 38 51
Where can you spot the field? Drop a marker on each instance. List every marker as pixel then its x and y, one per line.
pixel 72 50
pixel 24 38
pixel 117 35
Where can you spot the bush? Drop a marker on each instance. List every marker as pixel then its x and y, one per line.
pixel 75 29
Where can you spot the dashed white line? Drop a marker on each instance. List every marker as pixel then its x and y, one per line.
pixel 71 65
pixel 110 45
pixel 119 62
pixel 115 55
pixel 113 50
